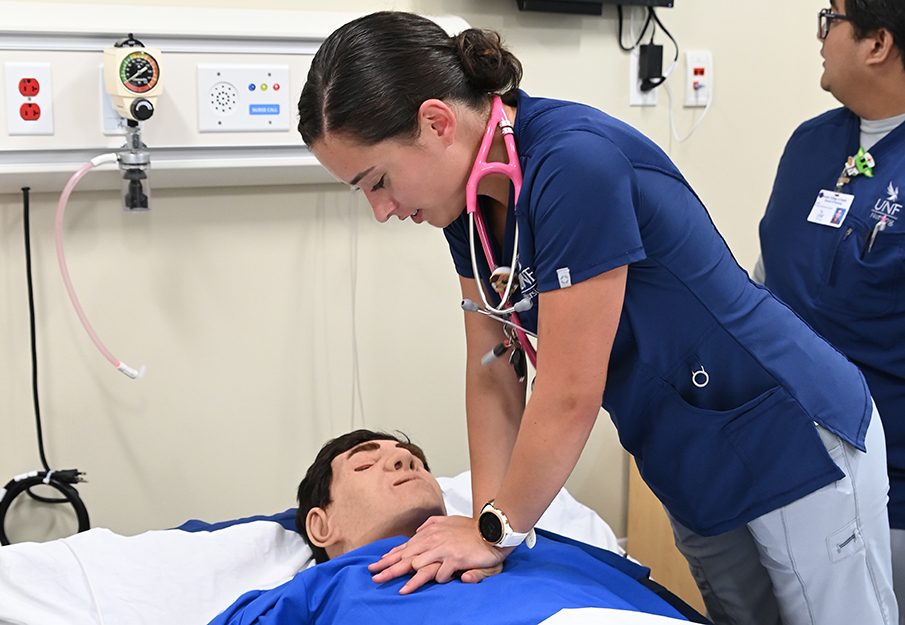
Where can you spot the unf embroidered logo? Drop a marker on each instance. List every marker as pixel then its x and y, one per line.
pixel 527 281
pixel 888 207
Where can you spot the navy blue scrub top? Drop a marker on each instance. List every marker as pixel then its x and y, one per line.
pixel 598 195
pixel 854 298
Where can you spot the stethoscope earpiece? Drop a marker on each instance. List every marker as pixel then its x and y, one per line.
pixel 470 306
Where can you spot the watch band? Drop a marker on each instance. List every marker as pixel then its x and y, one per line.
pixel 508 537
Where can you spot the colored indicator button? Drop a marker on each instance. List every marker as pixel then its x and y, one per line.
pixel 252 87
pixel 263 86
pixel 276 86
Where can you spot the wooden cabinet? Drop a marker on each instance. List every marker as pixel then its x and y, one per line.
pixel 650 541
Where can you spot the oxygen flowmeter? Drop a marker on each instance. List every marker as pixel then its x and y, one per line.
pixel 132 77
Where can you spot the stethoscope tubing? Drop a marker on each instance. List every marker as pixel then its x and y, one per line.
pixel 513 171
pixel 482 168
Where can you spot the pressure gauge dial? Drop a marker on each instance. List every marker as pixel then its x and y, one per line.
pixel 139 71
pixel 133 80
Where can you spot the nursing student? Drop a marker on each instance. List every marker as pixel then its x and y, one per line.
pixel 760 438
pixel 846 278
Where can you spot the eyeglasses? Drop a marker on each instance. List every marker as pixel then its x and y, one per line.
pixel 825 19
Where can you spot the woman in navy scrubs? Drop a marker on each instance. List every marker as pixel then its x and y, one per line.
pixel 759 437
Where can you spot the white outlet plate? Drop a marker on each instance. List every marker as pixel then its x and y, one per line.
pixel 636 97
pixel 112 123
pixel 698 78
pixel 243 98
pixel 14 72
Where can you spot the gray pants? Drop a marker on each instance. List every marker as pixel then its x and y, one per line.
pixel 822 560
pixel 898 569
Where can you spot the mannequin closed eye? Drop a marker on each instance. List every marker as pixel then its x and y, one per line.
pixel 374 446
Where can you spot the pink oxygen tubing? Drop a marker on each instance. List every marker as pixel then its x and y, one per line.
pixel 61 258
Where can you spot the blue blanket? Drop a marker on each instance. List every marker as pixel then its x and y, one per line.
pixel 535 584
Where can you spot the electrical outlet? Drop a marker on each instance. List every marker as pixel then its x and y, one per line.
pixel 636 97
pixel 698 78
pixel 29 99
pixel 30 112
pixel 29 87
pixel 243 98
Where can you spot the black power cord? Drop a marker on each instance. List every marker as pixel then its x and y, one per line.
pixel 62 481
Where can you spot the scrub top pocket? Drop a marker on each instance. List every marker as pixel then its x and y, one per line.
pixel 718 374
pixel 872 278
pixel 735 464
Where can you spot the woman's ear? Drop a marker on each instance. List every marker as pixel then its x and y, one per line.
pixel 436 119
pixel 317 524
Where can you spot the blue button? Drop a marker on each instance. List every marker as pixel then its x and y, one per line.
pixel 252 87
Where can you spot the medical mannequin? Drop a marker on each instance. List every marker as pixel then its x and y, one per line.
pixel 845 277
pixel 714 385
pixel 365 492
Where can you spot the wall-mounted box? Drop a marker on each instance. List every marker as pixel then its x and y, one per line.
pixel 243 98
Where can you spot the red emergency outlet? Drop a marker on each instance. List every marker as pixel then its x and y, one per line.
pixel 29 87
pixel 30 112
pixel 698 71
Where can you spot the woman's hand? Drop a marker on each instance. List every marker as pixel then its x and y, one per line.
pixel 441 548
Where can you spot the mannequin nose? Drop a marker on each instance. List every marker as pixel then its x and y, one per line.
pixel 402 460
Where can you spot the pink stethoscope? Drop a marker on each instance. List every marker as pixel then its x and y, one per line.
pixel 507 312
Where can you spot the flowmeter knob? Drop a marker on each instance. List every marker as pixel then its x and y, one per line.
pixel 141 109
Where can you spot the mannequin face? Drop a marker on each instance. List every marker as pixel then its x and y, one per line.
pixel 379 489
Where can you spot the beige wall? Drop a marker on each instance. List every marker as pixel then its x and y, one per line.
pixel 240 300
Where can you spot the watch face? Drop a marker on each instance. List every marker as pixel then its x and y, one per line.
pixel 491 527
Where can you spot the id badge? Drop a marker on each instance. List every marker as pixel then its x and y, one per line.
pixel 831 208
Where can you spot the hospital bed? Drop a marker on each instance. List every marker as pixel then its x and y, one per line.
pixel 192 573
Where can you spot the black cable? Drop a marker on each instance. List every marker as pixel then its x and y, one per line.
pixel 26 222
pixel 61 480
pixel 31 321
pixel 640 37
pixel 653 14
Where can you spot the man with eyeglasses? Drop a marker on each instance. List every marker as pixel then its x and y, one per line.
pixel 846 277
